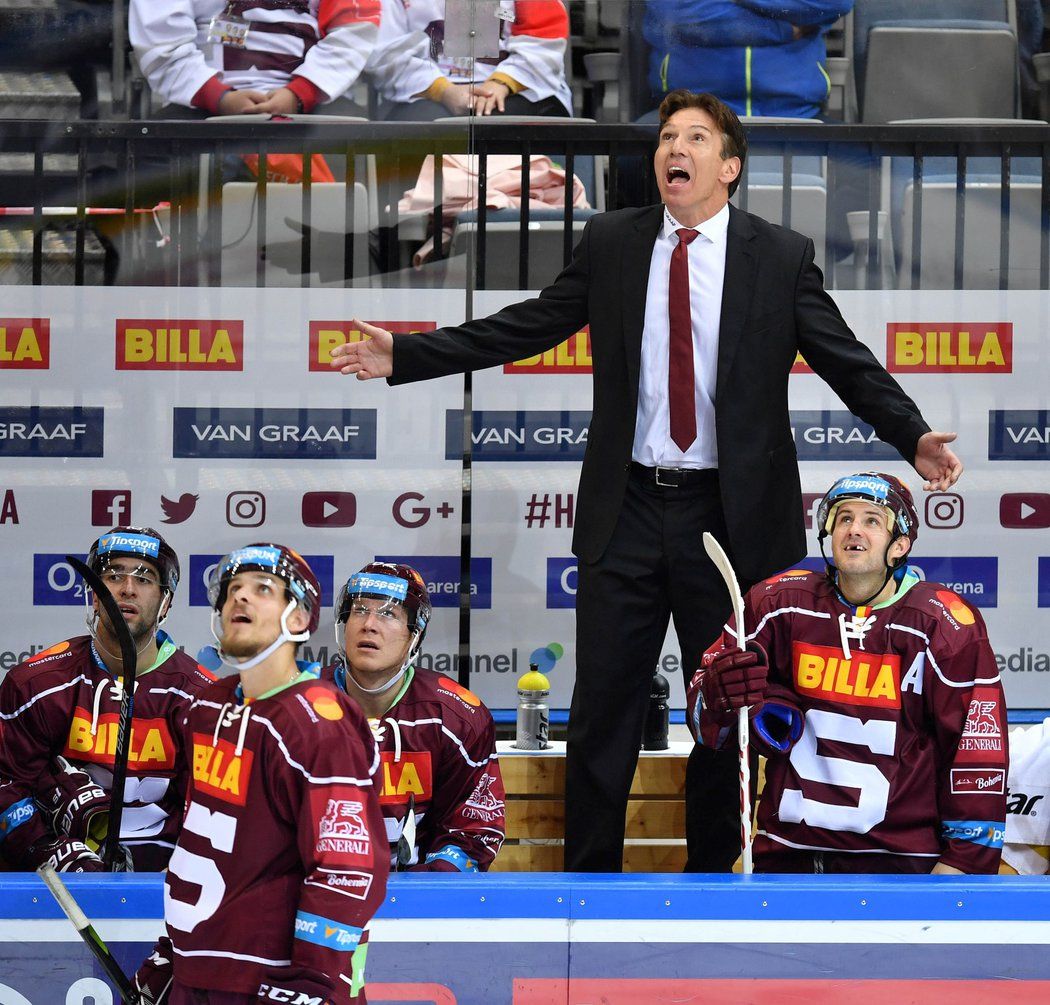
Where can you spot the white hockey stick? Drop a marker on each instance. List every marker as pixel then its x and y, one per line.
pixel 721 560
pixel 87 932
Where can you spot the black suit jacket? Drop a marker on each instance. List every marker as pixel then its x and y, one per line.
pixel 773 305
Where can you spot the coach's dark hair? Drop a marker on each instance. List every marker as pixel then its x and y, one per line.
pixel 734 142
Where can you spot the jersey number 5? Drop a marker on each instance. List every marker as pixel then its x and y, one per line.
pixel 220 830
pixel 872 787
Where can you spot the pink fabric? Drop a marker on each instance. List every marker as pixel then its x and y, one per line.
pixel 503 191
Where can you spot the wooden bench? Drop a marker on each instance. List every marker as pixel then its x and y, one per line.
pixel 535 783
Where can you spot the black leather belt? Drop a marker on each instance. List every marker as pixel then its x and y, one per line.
pixel 674 478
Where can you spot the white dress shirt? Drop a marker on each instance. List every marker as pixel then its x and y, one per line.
pixel 653 445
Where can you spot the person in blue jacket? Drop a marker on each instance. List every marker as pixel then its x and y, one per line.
pixel 761 57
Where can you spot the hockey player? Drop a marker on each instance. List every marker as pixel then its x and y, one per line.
pixel 59 714
pixel 442 794
pixel 875 697
pixel 281 861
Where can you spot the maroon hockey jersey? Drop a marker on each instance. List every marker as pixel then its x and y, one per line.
pixel 282 858
pixel 438 746
pixel 65 701
pixel 904 749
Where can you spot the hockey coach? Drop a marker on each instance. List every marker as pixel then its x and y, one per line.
pixel 697 311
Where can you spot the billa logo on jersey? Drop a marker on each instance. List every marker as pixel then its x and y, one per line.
pixel 967 347
pixel 571 356
pixel 410 776
pixel 870 679
pixel 152 746
pixel 342 834
pixel 1018 434
pixel 836 435
pixel 326 335
pixel 982 735
pixel 519 435
pixel 441 574
pixel 25 343
pixel 46 431
pixel 311 434
pixel 219 770
pixel 147 344
pixel 967 581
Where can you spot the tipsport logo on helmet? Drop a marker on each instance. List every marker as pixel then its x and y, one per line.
pixel 874 487
pixel 836 435
pixel 136 544
pixel 519 435
pixel 441 575
pixel 973 581
pixel 46 431
pixel 275 433
pixel 202 566
pixel 254 555
pixel 387 586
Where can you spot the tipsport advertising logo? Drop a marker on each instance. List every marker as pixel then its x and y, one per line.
pixel 46 431
pixel 202 566
pixel 836 435
pixel 1019 434
pixel 275 433
pixel 519 435
pixel 441 574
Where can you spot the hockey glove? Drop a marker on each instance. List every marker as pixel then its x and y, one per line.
pixel 295 983
pixel 75 804
pixel 777 724
pixel 64 855
pixel 731 679
pixel 153 981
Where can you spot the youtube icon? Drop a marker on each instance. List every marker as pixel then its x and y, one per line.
pixel 329 509
pixel 1025 510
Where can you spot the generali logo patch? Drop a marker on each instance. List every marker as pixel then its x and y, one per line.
pixel 326 335
pixel 982 735
pixel 219 770
pixel 25 343
pixel 571 356
pixel 957 347
pixel 870 679
pixel 162 344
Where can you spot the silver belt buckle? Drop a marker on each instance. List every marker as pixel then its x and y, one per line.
pixel 666 485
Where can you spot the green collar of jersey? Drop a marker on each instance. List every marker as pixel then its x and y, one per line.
pixel 165 650
pixel 409 674
pixel 306 672
pixel 905 583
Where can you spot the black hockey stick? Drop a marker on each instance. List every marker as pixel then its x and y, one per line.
pixel 91 938
pixel 129 663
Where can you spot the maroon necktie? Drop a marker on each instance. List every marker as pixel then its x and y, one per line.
pixel 681 394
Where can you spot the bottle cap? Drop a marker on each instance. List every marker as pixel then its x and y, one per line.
pixel 533 681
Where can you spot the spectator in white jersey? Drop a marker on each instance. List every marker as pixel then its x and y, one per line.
pixel 252 57
pixel 441 794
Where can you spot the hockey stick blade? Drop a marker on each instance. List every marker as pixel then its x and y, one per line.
pixel 721 560
pixel 91 938
pixel 128 665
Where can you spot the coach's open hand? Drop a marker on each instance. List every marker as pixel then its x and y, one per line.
pixel 936 461
pixel 371 357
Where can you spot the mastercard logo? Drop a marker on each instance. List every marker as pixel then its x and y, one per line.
pixel 460 692
pixel 324 703
pixel 957 607
pixel 786 575
pixel 60 647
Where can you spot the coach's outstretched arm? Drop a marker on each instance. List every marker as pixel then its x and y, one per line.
pixel 370 358
pixel 936 461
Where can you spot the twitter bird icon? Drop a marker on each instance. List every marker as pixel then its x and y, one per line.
pixel 178 510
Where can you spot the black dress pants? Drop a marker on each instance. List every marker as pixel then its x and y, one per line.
pixel 654 568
